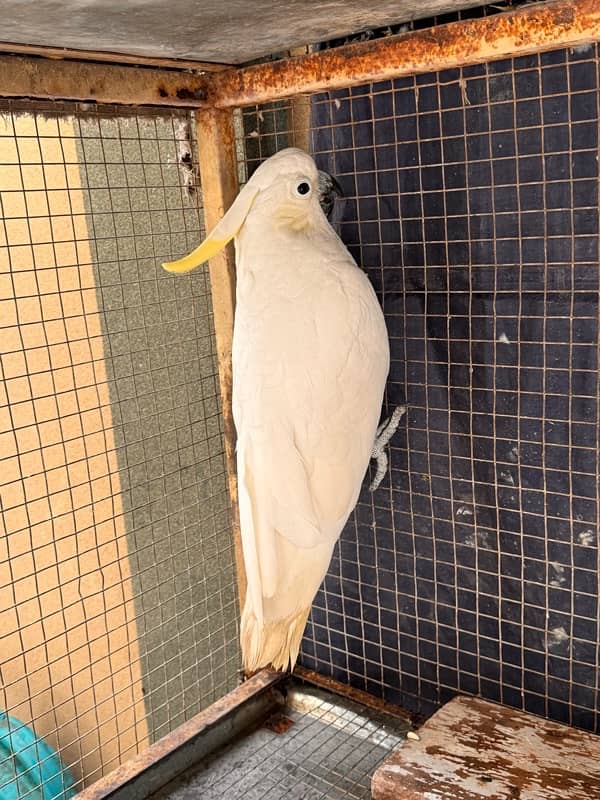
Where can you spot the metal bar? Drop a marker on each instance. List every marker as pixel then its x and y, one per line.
pixel 212 728
pixel 44 78
pixel 564 23
pixel 544 26
pixel 300 122
pixel 218 173
pixel 350 693
pixel 109 57
pixel 300 107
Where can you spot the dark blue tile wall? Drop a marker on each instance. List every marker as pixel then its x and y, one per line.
pixel 472 203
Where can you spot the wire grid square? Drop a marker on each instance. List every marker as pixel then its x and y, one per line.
pixel 472 203
pixel 117 576
pixel 330 749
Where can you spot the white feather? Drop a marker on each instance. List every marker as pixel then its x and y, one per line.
pixel 310 360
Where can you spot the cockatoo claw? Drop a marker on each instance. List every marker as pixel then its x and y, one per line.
pixel 384 433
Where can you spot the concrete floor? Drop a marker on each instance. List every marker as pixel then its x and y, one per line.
pixel 327 749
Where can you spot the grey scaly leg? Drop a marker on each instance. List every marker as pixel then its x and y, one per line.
pixel 384 433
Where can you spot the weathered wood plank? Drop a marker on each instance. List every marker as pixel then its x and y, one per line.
pixel 473 748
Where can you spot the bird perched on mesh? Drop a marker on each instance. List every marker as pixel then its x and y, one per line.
pixel 310 359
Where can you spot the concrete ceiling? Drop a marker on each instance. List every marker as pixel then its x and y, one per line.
pixel 219 31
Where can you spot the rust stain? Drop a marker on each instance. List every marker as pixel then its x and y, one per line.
pixel 565 16
pixel 218 168
pixel 358 696
pixel 279 723
pixel 43 78
pixel 531 28
pixel 524 30
pixel 473 748
pixel 187 93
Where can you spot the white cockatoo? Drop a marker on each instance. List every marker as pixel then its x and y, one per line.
pixel 310 361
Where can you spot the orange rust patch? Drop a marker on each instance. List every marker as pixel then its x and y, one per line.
pixel 279 723
pixel 564 23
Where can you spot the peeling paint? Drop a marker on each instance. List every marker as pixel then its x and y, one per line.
pixel 472 748
pixel 559 578
pixel 513 455
pixel 506 477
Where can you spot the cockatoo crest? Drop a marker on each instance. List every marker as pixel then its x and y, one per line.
pixel 287 187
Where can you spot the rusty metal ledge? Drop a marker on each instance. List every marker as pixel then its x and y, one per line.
pixel 543 26
pixel 147 772
pixel 357 695
pixel 51 79
pixel 529 29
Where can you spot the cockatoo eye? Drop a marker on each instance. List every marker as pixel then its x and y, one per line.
pixel 303 188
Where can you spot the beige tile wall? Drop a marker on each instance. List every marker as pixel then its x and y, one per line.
pixel 69 660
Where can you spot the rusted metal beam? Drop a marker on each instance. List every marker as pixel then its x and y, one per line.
pixel 44 78
pixel 357 695
pixel 219 176
pixel 157 765
pixel 529 29
pixel 109 57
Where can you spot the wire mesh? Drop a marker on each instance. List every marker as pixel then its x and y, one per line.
pixel 472 203
pixel 118 605
pixel 319 747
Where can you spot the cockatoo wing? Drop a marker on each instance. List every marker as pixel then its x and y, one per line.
pixel 309 371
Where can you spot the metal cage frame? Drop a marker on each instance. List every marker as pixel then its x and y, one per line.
pixel 214 93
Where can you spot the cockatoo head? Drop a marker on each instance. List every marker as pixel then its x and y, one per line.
pixel 286 188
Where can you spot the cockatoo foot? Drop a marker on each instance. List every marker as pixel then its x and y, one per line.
pixel 384 433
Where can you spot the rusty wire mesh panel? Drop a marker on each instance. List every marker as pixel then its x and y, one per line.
pixel 472 203
pixel 118 607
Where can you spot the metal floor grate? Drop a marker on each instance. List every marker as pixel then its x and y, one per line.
pixel 329 752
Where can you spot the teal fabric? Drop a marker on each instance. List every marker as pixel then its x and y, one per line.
pixel 29 768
